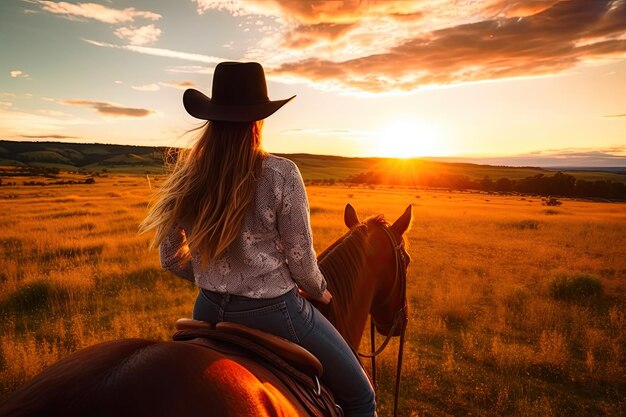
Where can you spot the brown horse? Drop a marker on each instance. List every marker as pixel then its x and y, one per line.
pixel 136 377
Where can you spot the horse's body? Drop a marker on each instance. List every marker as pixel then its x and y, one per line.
pixel 136 377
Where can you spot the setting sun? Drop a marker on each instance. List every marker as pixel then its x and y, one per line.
pixel 409 139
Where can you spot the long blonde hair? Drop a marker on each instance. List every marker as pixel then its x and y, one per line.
pixel 210 189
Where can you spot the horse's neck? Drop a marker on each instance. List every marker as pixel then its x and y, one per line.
pixel 350 317
pixel 349 281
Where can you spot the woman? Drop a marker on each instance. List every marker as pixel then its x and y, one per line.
pixel 235 220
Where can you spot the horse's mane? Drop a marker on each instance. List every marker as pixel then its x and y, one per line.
pixel 341 265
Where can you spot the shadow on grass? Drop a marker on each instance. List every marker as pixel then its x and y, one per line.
pixel 72 252
pixel 144 278
pixel 33 297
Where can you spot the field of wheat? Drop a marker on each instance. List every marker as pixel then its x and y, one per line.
pixel 516 308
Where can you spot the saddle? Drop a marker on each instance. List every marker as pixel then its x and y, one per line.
pixel 296 367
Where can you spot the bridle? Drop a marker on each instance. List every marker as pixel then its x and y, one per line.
pixel 400 318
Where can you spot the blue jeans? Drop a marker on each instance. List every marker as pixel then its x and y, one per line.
pixel 294 318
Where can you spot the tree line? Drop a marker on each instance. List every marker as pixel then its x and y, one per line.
pixel 559 184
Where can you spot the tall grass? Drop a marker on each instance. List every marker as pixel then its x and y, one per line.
pixel 515 311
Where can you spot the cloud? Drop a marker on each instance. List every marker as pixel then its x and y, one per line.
pixel 615 115
pixel 5 104
pixel 303 36
pixel 143 35
pixel 191 69
pixel 182 85
pixel 235 7
pixel 617 151
pixel 14 123
pixel 49 136
pixel 609 152
pixel 313 11
pixel 108 109
pixel 611 156
pixel 402 45
pixel 172 84
pixel 53 113
pixel 147 87
pixel 94 11
pixel 167 53
pixel 503 8
pixel 135 35
pixel 19 74
pixel 550 42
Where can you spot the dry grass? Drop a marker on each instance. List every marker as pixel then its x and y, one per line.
pixel 489 334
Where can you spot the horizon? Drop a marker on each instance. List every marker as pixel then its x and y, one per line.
pixel 528 83
pixel 512 161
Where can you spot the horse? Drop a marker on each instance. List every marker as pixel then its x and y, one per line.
pixel 138 377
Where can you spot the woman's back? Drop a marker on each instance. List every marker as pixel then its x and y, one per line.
pixel 273 250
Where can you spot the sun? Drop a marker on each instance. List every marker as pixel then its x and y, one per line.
pixel 409 139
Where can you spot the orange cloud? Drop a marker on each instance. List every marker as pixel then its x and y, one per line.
pixel 556 39
pixel 304 36
pixel 507 8
pixel 182 85
pixel 109 109
pixel 317 11
pixel 147 87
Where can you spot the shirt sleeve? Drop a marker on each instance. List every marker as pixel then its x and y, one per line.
pixel 171 257
pixel 293 221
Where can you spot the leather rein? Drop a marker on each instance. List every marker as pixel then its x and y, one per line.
pixel 400 319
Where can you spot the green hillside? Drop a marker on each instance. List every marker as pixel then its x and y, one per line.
pixel 89 157
pixel 83 157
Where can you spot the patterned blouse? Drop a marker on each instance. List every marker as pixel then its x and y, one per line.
pixel 274 250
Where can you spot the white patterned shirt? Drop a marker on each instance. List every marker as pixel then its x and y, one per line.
pixel 274 249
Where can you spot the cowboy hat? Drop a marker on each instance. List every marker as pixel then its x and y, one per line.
pixel 239 94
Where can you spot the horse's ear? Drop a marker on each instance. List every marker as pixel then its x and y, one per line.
pixel 402 224
pixel 349 216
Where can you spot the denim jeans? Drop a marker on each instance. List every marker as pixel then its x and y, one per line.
pixel 294 318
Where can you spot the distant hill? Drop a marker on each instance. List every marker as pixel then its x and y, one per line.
pixel 93 157
pixel 88 157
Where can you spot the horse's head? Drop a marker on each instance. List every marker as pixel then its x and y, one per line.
pixel 387 261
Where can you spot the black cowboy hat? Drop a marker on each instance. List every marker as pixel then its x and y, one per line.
pixel 239 95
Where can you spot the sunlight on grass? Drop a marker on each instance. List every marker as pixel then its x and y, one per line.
pixel 516 310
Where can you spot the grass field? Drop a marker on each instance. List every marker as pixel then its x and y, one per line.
pixel 517 309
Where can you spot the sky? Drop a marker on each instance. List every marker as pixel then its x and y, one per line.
pixel 500 79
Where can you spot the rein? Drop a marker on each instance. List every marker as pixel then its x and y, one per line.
pixel 400 319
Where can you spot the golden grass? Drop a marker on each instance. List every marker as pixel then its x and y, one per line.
pixel 487 336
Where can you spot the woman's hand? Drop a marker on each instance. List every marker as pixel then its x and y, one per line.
pixel 324 298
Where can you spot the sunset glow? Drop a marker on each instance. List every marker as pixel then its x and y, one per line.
pixel 372 78
pixel 409 139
